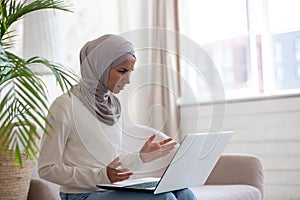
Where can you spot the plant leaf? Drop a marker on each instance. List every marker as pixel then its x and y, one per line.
pixel 23 93
pixel 13 10
pixel 18 156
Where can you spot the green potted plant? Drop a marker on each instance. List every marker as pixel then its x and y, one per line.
pixel 23 99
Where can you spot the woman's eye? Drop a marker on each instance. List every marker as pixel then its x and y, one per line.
pixel 123 71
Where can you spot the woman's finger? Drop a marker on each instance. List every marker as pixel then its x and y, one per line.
pixel 122 174
pixel 165 141
pixel 119 175
pixel 173 144
pixel 150 139
pixel 115 163
pixel 122 170
pixel 122 177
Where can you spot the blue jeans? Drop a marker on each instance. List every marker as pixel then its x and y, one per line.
pixel 184 194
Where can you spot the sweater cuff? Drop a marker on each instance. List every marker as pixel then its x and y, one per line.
pixel 132 161
pixel 103 176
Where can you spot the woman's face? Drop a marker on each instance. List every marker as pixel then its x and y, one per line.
pixel 119 75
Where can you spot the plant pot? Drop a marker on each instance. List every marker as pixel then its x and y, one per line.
pixel 14 181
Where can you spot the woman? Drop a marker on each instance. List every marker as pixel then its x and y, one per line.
pixel 84 148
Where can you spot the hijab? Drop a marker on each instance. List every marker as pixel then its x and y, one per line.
pixel 97 57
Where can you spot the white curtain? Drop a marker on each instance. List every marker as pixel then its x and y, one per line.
pixel 45 35
pixel 151 98
pixel 166 68
pixel 157 88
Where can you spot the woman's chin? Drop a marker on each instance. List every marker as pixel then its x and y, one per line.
pixel 116 91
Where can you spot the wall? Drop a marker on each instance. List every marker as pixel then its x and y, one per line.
pixel 268 127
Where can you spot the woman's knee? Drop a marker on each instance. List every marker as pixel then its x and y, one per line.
pixel 166 196
pixel 185 194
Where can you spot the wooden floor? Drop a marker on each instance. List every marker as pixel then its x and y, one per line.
pixel 269 128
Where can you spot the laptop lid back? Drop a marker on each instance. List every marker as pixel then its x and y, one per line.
pixel 193 161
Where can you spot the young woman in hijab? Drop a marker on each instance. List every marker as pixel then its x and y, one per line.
pixel 84 148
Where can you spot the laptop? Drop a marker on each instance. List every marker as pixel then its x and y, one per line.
pixel 190 166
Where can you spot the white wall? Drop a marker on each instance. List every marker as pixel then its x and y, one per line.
pixel 267 127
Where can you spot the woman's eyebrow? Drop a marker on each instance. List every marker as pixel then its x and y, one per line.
pixel 126 68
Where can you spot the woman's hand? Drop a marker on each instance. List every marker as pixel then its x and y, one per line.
pixel 116 174
pixel 153 150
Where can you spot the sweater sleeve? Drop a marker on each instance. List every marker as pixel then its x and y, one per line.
pixel 50 163
pixel 132 161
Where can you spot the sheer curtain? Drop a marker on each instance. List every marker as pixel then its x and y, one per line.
pixel 151 98
pixel 166 68
pixel 163 67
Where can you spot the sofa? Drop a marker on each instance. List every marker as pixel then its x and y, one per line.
pixel 235 176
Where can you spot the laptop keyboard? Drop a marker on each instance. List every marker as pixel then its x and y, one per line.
pixel 146 185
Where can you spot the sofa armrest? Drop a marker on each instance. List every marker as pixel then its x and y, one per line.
pixel 238 169
pixel 40 189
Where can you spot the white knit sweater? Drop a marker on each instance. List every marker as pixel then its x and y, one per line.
pixel 80 147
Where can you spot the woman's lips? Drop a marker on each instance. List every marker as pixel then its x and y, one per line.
pixel 121 86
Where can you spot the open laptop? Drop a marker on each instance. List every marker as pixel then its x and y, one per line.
pixel 191 165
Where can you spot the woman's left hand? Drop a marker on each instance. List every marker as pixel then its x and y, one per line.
pixel 154 150
pixel 115 173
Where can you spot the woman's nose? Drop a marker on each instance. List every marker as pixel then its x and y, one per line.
pixel 126 78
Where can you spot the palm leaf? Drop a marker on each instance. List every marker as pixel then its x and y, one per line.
pixel 13 10
pixel 58 71
pixel 24 99
pixel 8 39
pixel 3 60
pixel 24 140
pixel 25 102
pixel 18 156
pixel 26 137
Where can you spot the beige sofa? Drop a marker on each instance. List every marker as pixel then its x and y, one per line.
pixel 235 176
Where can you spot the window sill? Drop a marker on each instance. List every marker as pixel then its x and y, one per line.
pixel 239 99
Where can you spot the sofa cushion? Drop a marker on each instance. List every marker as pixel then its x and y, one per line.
pixel 238 169
pixel 40 189
pixel 227 192
pixel 43 190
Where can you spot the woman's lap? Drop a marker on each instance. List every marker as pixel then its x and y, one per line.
pixel 184 194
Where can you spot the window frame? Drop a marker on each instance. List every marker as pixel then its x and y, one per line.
pixel 262 68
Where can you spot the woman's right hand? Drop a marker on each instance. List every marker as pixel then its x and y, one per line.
pixel 116 174
pixel 154 150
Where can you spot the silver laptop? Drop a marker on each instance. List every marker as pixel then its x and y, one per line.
pixel 191 165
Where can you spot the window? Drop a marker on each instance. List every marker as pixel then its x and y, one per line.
pixel 254 44
pixel 297 57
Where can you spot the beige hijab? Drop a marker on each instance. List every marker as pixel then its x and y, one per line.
pixel 97 57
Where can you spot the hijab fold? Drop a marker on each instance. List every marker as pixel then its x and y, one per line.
pixel 97 57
